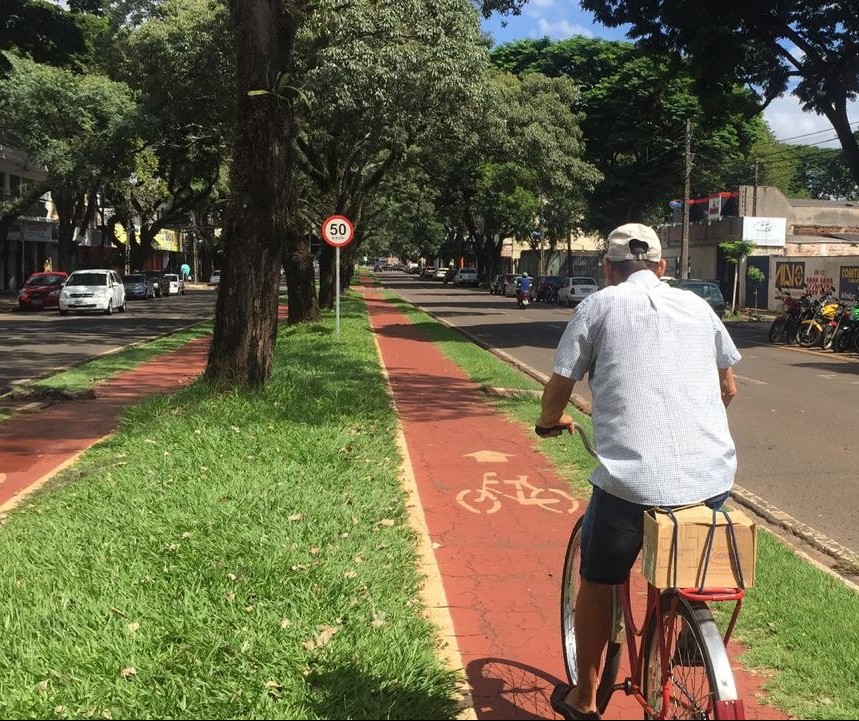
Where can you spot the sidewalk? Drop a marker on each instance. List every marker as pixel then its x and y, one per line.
pixel 499 562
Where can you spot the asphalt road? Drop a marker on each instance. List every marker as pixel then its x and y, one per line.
pixel 34 343
pixel 794 421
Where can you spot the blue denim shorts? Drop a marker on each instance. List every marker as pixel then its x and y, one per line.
pixel 612 534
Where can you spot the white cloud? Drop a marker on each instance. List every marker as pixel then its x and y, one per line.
pixel 790 124
pixel 561 29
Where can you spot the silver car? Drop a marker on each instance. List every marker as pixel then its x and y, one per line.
pixel 573 291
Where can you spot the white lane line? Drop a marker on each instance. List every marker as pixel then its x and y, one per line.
pixel 755 381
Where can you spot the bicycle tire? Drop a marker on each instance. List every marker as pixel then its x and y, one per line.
pixel 706 663
pixel 569 586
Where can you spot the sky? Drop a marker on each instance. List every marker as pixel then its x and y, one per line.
pixel 559 19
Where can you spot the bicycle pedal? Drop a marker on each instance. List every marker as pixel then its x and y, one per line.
pixel 687 651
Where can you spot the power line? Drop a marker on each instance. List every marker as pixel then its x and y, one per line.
pixel 816 132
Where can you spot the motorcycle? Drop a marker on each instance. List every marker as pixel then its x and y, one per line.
pixel 841 334
pixel 794 311
pixel 811 331
pixel 522 298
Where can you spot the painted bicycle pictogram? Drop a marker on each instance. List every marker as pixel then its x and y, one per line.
pixel 487 498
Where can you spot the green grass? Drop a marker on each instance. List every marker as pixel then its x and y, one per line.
pixel 248 556
pixel 799 624
pixel 243 555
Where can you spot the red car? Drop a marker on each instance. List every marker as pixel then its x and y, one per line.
pixel 42 290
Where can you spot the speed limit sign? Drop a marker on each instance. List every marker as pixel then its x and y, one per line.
pixel 337 230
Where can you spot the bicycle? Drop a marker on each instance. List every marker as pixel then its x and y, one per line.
pixel 681 668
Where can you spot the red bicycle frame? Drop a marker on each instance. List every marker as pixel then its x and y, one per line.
pixel 732 709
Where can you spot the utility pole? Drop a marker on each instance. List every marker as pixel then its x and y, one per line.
pixel 540 231
pixel 684 242
pixel 755 194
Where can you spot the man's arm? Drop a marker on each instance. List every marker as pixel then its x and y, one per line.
pixel 729 388
pixel 556 395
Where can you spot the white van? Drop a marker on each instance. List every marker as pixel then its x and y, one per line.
pixel 98 289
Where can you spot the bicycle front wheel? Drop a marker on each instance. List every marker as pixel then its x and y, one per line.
pixel 699 672
pixel 569 588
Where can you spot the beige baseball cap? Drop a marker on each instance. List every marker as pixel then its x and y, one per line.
pixel 617 245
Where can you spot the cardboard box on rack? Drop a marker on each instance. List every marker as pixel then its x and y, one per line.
pixel 694 523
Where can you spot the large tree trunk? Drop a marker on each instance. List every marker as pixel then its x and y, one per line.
pixel 327 294
pixel 256 219
pixel 301 288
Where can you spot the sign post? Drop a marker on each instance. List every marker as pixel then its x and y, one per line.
pixel 337 231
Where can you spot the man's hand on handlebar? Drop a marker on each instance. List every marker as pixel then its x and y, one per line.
pixel 552 430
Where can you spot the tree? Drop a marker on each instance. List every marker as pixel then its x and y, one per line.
pixel 364 69
pixel 768 45
pixel 178 61
pixel 41 31
pixel 633 109
pixel 75 127
pixel 735 251
pixel 262 194
pixel 755 276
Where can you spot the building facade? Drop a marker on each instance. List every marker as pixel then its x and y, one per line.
pixel 799 243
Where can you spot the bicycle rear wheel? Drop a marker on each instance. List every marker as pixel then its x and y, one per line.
pixel 699 672
pixel 569 589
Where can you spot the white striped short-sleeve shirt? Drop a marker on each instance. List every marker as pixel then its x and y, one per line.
pixel 652 354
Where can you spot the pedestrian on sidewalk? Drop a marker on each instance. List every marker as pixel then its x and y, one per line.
pixel 659 364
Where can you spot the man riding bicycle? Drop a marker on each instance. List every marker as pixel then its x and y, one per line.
pixel 659 364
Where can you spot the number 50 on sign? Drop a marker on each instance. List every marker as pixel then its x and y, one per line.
pixel 337 230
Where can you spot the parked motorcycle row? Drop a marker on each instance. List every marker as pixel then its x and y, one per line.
pixel 824 322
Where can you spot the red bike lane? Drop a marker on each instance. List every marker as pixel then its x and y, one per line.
pixel 498 517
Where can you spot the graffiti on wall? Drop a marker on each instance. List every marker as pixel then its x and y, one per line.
pixel 789 276
pixel 848 288
pixel 819 282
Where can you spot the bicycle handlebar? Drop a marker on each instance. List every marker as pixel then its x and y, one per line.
pixel 544 433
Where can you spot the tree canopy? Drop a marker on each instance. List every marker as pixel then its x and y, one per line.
pixel 806 47
pixel 634 108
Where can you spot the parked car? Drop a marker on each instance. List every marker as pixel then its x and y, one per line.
pixel 708 289
pixel 138 285
pixel 98 289
pixel 465 276
pixel 215 278
pixel 158 281
pixel 175 285
pixel 41 290
pixel 574 290
pixel 439 274
pixel 547 288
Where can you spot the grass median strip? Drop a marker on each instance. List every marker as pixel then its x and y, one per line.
pixel 242 555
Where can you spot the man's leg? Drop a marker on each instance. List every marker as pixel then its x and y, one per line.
pixel 593 626
pixel 611 540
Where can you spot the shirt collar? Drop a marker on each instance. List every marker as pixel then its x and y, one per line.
pixel 645 278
